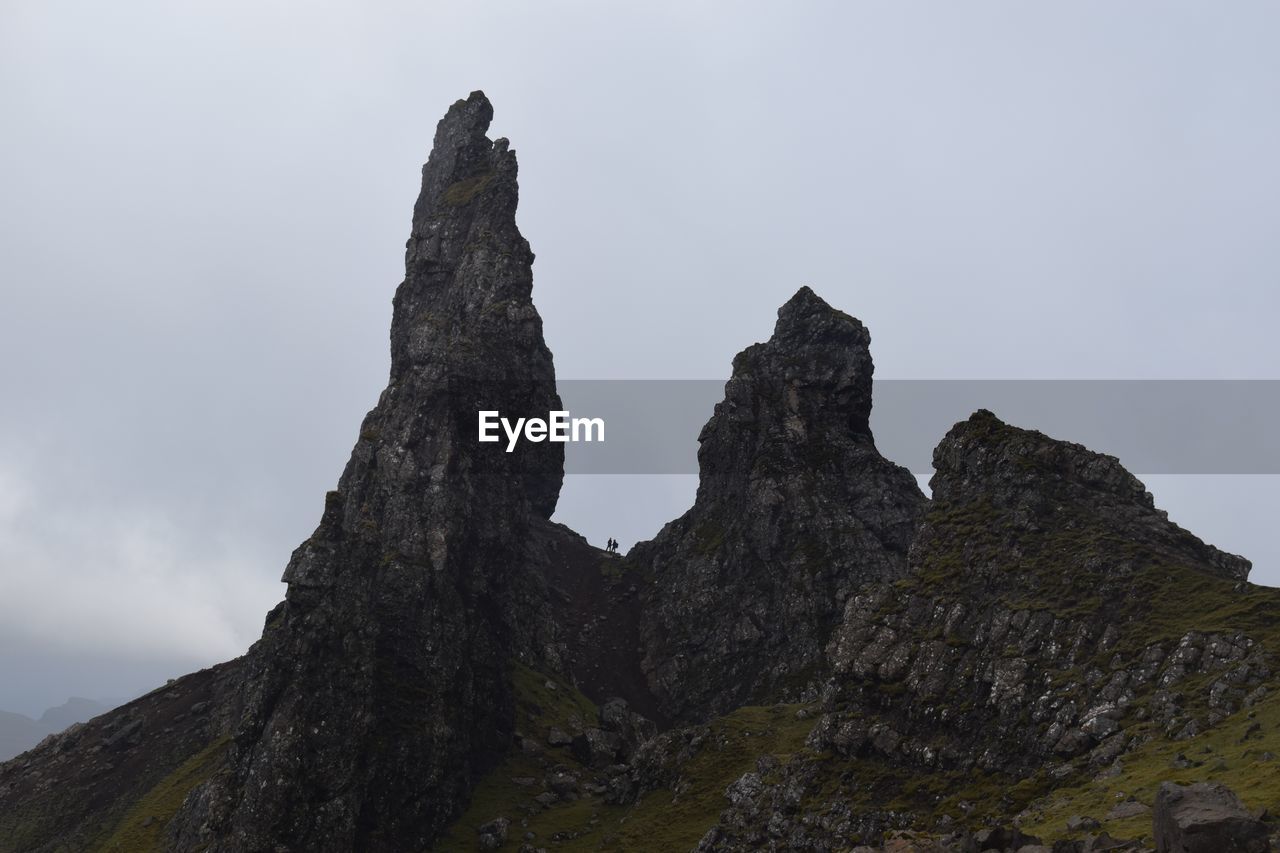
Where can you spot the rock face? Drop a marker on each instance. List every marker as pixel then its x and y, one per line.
pixel 1036 557
pixel 379 691
pixel 1205 818
pixel 1044 484
pixel 1045 611
pixel 796 510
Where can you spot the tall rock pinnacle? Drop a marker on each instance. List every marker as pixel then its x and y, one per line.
pixel 380 689
pixel 796 509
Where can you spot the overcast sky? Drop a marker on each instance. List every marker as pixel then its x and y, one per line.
pixel 204 207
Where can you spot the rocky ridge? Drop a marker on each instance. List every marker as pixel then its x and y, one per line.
pixel 1031 640
pixel 814 657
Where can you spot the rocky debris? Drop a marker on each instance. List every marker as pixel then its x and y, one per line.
pixel 493 834
pixel 998 840
pixel 564 785
pixel 620 733
pixel 597 747
pixel 657 763
pixel 634 729
pixel 994 839
pixel 1003 838
pixel 126 733
pixel 1205 817
pixel 1077 823
pixel 795 511
pixel 781 807
pixel 1126 810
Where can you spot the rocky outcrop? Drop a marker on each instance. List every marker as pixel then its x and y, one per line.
pixel 1038 615
pixel 796 511
pixel 1047 611
pixel 93 785
pixel 379 691
pixel 1044 485
pixel 1206 817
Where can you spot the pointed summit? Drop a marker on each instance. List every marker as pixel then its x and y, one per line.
pixel 806 309
pixel 816 369
pixel 804 303
pixel 795 510
pixel 461 148
pixel 380 688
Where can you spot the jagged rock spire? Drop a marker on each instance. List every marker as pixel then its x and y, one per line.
pixel 809 385
pixel 795 510
pixel 380 688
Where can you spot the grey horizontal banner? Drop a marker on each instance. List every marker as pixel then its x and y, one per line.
pixel 1153 426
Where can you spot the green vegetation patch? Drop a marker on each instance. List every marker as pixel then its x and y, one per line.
pixel 1243 753
pixel 464 191
pixel 142 828
pixel 509 790
pixel 666 821
pixel 662 820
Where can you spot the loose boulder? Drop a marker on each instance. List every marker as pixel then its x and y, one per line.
pixel 1206 817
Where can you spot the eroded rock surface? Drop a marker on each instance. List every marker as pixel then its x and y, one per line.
pixel 1206 818
pixel 379 691
pixel 796 511
pixel 1037 624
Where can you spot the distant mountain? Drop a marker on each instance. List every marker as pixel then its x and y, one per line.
pixel 18 732
pixel 75 710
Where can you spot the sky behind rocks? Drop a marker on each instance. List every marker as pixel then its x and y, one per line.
pixel 205 208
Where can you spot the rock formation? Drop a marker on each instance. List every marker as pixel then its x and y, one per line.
pixel 1030 636
pixel 1206 818
pixel 379 691
pixel 813 657
pixel 796 511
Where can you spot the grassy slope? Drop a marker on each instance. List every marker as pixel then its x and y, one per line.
pixel 1080 562
pixel 142 828
pixel 660 821
pixel 1060 570
pixel 1224 753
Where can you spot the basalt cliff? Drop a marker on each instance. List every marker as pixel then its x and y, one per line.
pixel 816 656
